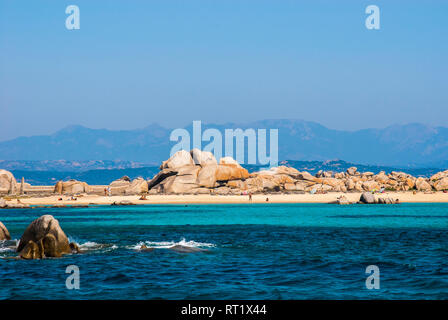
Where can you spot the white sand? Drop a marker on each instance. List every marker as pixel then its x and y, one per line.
pixel 205 199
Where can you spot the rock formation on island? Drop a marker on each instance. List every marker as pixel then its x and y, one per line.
pixel 124 186
pixel 440 180
pixel 71 187
pixel 44 238
pixel 8 184
pixel 369 198
pixel 197 172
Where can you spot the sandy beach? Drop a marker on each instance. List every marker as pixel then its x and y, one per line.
pixel 215 199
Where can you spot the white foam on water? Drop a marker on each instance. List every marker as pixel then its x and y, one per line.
pixel 170 244
pixel 8 245
pixel 6 249
pixel 91 245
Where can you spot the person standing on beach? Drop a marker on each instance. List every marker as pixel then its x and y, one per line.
pixel 250 196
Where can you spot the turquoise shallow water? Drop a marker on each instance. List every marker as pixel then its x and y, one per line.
pixel 266 251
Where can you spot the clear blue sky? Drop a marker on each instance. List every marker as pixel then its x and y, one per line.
pixel 133 63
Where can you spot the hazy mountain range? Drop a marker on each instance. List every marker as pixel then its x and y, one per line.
pixel 411 145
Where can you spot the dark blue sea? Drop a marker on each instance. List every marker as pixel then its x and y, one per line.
pixel 266 251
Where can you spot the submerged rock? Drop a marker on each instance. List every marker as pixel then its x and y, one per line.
pixel 32 250
pixel 51 246
pixel 18 205
pixel 75 248
pixel 145 248
pixel 43 238
pixel 185 249
pixel 123 203
pixel 59 205
pixel 80 205
pixel 4 233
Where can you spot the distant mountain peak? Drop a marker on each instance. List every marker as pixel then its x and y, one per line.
pixel 72 128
